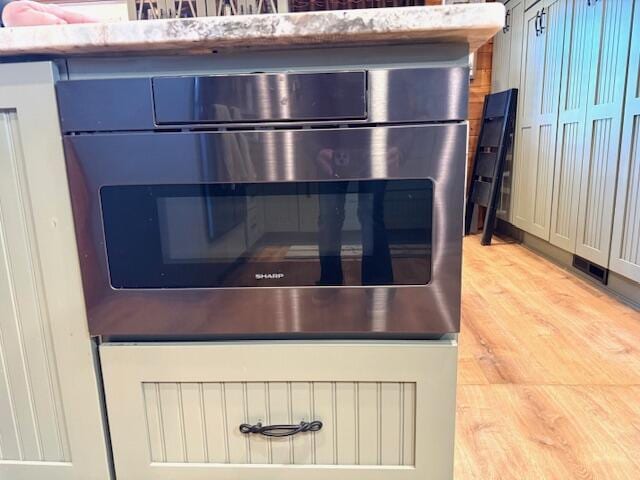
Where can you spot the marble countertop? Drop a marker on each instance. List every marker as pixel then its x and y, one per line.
pixel 473 24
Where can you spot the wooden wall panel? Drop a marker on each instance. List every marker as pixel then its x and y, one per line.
pixel 480 86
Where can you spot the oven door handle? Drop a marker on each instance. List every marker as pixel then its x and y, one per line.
pixel 280 430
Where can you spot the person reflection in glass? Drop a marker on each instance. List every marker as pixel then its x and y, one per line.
pixel 376 257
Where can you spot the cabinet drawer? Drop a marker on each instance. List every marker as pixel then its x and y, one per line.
pixel 387 409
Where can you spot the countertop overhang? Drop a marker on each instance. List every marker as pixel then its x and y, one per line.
pixel 472 24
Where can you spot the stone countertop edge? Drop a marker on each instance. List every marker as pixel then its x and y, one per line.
pixel 473 24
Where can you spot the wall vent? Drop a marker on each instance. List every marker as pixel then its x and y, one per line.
pixel 594 271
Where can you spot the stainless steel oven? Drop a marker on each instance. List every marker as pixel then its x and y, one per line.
pixel 272 205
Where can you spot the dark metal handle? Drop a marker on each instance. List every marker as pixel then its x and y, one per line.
pixel 506 27
pixel 536 24
pixel 280 430
pixel 542 27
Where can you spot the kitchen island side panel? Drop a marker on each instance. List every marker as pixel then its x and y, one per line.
pixel 51 422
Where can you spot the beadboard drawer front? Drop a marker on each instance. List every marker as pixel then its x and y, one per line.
pixel 386 409
pixel 198 422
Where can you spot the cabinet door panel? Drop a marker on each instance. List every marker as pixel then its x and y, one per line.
pixel 578 44
pixel 526 134
pixel 551 64
pixel 522 205
pixel 543 180
pixel 536 154
pixel 612 28
pixel 516 28
pixel 500 61
pixel 530 80
pixel 50 411
pixel 625 242
pixel 566 185
pixel 551 61
pixel 387 409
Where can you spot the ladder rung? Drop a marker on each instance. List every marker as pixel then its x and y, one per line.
pixel 481 193
pixel 486 166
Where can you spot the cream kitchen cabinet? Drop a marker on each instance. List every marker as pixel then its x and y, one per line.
pixel 538 117
pixel 387 409
pixel 569 149
pixel 51 423
pixel 590 118
pixel 625 242
pixel 610 33
pixel 507 49
pixel 500 62
pixel 507 56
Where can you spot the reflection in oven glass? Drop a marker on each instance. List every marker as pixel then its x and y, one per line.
pixel 367 232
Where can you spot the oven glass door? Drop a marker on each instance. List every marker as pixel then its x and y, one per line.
pixel 330 233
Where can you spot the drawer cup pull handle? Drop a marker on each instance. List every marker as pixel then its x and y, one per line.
pixel 280 430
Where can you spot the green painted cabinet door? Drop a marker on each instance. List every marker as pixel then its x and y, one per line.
pixel 512 69
pixel 525 131
pixel 625 241
pixel 538 120
pixel 51 421
pixel 500 62
pixel 516 26
pixel 608 68
pixel 579 42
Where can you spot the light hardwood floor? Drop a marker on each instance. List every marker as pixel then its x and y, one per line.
pixel 549 372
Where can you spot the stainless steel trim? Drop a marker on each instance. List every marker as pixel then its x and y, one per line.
pixel 418 95
pixel 394 96
pixel 260 97
pixel 436 152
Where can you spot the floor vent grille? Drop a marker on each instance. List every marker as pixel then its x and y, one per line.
pixel 594 271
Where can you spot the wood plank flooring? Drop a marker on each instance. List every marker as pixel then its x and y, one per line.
pixel 549 372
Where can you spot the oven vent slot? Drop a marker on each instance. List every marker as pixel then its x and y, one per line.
pixel 597 272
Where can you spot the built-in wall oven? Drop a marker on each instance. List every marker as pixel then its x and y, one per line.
pixel 270 205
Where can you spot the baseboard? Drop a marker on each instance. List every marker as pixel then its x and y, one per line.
pixel 625 290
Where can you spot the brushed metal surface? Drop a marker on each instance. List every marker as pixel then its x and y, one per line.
pixel 103 105
pixel 418 94
pixel 264 97
pixel 392 96
pixel 436 152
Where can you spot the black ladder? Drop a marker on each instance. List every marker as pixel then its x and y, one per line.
pixel 494 141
